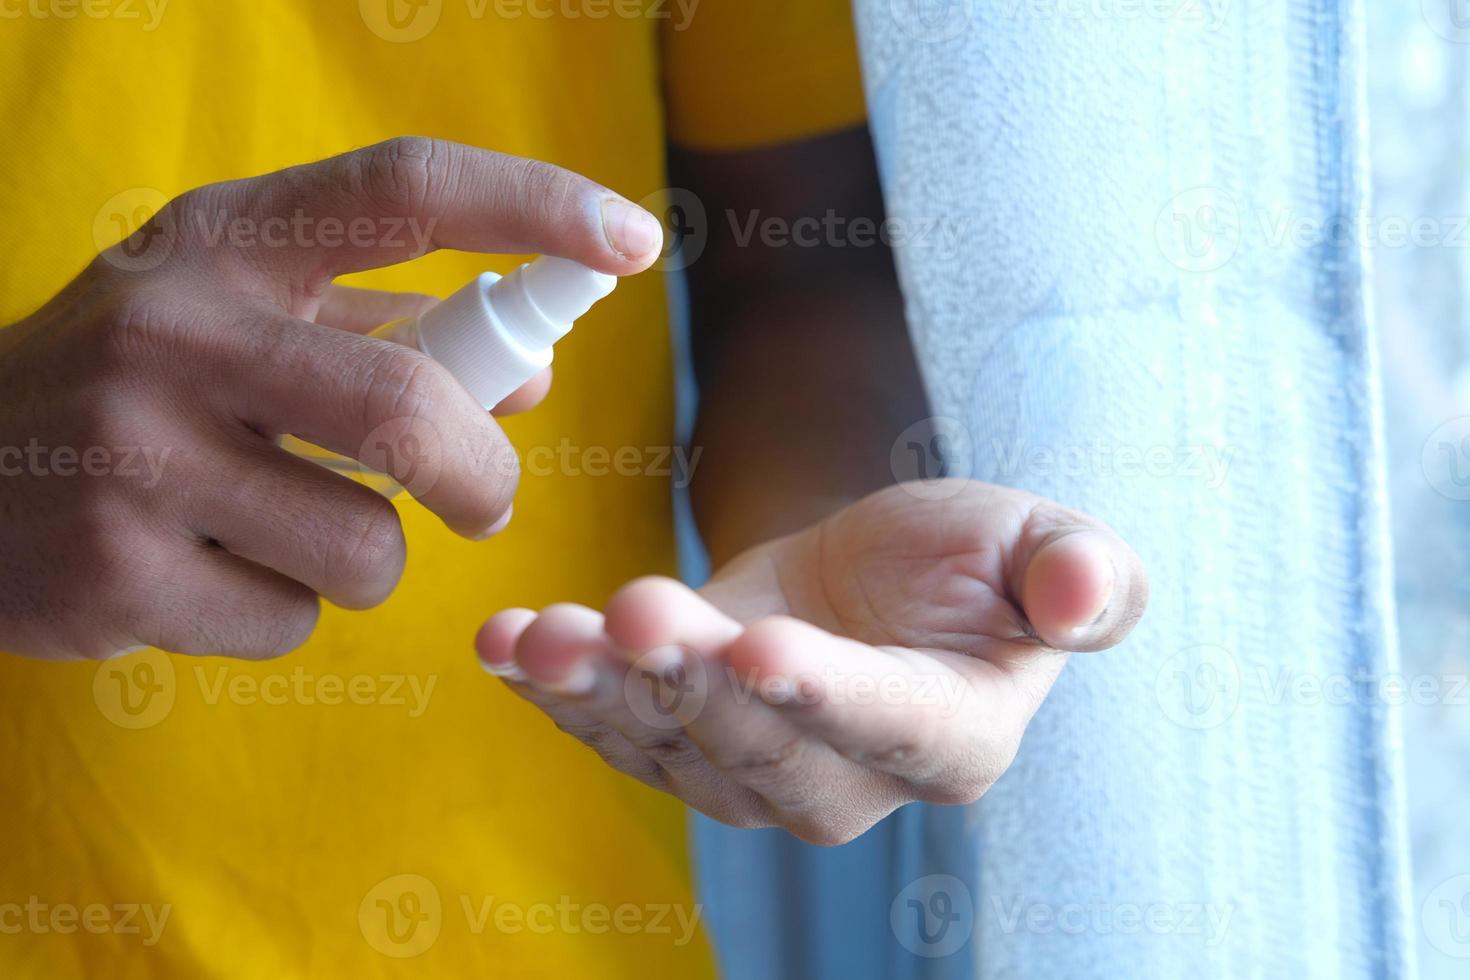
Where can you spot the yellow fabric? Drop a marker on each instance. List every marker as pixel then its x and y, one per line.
pixel 742 74
pixel 276 808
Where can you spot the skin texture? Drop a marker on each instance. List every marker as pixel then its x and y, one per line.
pixel 203 353
pixel 861 645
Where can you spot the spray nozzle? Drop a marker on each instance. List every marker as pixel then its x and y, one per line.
pixel 496 333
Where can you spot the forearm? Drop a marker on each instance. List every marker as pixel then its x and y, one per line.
pixel 800 417
pixel 805 369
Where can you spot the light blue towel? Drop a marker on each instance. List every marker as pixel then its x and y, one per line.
pixel 1138 296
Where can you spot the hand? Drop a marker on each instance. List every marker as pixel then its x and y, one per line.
pixel 894 652
pixel 143 497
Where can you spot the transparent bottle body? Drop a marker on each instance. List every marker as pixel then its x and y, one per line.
pixel 405 332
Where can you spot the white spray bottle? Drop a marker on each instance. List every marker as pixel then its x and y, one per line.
pixel 493 335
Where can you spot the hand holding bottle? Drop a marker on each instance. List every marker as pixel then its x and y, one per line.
pixel 200 354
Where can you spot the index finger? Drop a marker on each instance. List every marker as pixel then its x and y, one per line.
pixel 397 200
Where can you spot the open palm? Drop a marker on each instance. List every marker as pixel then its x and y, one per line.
pixel 891 653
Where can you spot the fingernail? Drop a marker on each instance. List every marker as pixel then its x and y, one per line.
pixel 632 231
pixel 1105 595
pixel 128 651
pixel 577 684
pixel 510 671
pixel 500 525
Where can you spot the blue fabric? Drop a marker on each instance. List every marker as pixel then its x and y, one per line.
pixel 1137 297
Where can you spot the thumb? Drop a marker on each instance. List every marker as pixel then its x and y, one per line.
pixel 1081 587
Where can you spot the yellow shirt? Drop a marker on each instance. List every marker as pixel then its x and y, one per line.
pixel 374 805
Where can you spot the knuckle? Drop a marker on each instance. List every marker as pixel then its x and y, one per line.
pixel 401 383
pixel 670 750
pixel 120 563
pixel 398 175
pixel 189 217
pixel 912 750
pixel 183 212
pixel 544 187
pixel 137 327
pixel 768 764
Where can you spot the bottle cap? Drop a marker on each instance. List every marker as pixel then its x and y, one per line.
pixel 496 333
